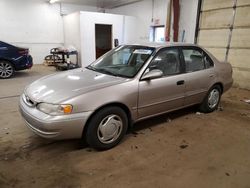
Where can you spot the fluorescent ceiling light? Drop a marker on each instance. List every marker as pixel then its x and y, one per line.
pixel 53 1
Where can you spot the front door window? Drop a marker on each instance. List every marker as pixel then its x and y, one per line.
pixel 167 61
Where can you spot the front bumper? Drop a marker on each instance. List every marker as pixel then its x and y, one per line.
pixel 54 127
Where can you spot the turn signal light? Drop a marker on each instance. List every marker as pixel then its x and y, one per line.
pixel 67 109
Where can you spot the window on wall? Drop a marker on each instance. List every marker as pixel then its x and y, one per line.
pixel 158 33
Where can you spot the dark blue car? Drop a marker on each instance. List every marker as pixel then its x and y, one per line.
pixel 13 58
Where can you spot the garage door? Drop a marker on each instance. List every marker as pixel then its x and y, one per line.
pixel 224 30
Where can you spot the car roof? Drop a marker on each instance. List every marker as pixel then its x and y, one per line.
pixel 164 44
pixel 5 44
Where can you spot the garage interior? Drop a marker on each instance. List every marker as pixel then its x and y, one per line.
pixel 184 148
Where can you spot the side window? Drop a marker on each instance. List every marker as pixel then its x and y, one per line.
pixel 193 60
pixel 196 60
pixel 167 61
pixel 208 62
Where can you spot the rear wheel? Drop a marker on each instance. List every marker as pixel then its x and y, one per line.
pixel 6 69
pixel 212 100
pixel 107 128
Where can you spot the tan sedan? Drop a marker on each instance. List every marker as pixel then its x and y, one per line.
pixel 130 83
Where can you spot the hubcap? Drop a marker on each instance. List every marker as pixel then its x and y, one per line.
pixel 213 98
pixel 6 70
pixel 109 129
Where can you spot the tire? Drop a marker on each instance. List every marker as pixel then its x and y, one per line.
pixel 6 70
pixel 106 128
pixel 212 100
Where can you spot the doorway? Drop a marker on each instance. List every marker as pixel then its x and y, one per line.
pixel 103 39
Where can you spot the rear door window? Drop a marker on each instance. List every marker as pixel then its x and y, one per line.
pixel 196 60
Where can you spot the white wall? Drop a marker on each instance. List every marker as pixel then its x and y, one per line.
pixel 67 8
pixel 87 29
pixel 35 24
pixel 160 11
pixel 188 19
pixel 129 30
pixel 72 30
pixel 144 11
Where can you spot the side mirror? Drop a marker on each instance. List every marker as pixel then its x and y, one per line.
pixel 155 73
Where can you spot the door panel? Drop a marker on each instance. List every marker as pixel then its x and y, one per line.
pixel 160 95
pixel 166 93
pixel 197 85
pixel 199 76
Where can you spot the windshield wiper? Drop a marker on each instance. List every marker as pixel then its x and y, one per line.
pixel 91 68
pixel 102 70
pixel 105 71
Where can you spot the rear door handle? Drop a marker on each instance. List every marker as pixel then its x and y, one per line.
pixel 180 82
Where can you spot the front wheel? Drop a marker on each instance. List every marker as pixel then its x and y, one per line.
pixel 212 100
pixel 106 128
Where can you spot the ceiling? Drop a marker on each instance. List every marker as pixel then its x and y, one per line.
pixel 100 3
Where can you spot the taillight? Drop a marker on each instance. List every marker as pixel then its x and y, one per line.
pixel 23 52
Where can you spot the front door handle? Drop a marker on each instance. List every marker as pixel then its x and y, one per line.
pixel 180 82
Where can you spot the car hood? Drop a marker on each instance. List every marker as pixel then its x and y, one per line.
pixel 59 87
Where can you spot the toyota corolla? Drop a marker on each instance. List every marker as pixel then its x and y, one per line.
pixel 128 84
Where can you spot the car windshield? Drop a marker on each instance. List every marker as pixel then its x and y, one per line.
pixel 123 61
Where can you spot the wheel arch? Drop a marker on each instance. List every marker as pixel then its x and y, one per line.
pixel 220 85
pixel 116 104
pixel 4 59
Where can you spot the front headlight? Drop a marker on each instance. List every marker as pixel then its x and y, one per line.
pixel 55 109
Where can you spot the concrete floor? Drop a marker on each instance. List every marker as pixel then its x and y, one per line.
pixel 180 149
